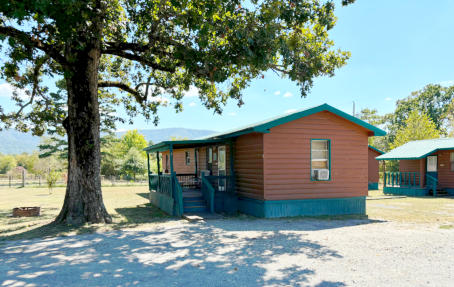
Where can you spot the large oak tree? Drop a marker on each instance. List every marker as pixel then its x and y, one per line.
pixel 103 54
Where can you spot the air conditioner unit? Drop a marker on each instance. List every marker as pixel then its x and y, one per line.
pixel 323 174
pixel 320 174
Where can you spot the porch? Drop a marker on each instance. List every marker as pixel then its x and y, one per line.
pixel 411 184
pixel 206 189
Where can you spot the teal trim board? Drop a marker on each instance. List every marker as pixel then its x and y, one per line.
pixel 303 207
pixel 405 191
pixel 373 185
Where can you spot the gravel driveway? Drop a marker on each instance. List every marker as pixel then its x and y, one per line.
pixel 238 252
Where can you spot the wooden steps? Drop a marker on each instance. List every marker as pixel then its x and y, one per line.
pixel 193 201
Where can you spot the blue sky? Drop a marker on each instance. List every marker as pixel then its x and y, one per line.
pixel 397 47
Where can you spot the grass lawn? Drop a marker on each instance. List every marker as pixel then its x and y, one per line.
pixel 130 208
pixel 435 210
pixel 128 205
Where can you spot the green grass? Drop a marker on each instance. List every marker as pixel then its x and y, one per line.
pixel 129 207
pixel 427 209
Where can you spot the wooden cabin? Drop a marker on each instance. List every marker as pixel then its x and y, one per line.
pixel 311 162
pixel 374 166
pixel 426 167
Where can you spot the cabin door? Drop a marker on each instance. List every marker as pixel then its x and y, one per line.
pixel 221 168
pixel 432 164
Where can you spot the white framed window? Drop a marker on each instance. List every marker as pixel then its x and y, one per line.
pixel 432 163
pixel 210 155
pixel 187 156
pixel 320 159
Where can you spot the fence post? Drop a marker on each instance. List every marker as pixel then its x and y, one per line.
pixel 9 179
pixel 23 178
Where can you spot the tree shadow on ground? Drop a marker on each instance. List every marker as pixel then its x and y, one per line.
pixel 124 218
pixel 199 254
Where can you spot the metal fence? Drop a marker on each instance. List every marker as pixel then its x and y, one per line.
pixel 31 180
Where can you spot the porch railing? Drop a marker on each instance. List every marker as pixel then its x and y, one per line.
pixel 432 183
pixel 168 185
pixel 402 179
pixel 221 183
pixel 188 180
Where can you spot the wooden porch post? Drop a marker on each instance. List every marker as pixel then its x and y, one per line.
pixel 231 154
pixel 148 167
pixel 195 161
pixel 171 158
pixel 158 163
pixel 421 172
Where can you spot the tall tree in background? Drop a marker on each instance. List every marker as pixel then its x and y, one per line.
pixel 418 126
pixel 147 50
pixel 433 100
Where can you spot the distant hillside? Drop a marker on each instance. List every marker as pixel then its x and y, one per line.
pixel 14 142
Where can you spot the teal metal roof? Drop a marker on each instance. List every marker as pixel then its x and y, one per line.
pixel 264 126
pixel 418 149
pixel 376 149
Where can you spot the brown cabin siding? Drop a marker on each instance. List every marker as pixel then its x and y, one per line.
pixel 179 163
pixel 414 165
pixel 373 167
pixel 249 165
pixel 287 159
pixel 445 175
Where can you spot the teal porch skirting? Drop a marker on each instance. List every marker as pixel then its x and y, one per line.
pixel 303 207
pixel 450 191
pixel 162 201
pixel 373 185
pixel 405 191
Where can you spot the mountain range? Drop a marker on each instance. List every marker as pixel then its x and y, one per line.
pixel 14 142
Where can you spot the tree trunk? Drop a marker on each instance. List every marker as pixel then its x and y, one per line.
pixel 83 199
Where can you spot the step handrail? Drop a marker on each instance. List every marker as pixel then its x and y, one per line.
pixel 177 195
pixel 208 193
pixel 432 182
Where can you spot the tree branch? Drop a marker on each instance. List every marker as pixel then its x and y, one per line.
pixel 30 41
pixel 138 58
pixel 124 87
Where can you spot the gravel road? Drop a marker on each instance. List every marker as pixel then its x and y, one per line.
pixel 238 252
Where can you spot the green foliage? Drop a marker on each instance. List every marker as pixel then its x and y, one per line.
pixel 51 179
pixel 132 139
pixel 155 51
pixel 434 100
pixel 7 162
pixel 134 163
pixel 26 160
pixel 418 126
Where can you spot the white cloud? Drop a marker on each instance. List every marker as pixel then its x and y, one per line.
pixel 192 92
pixel 288 95
pixel 447 83
pixel 388 99
pixel 277 93
pixel 290 111
pixel 6 91
pixel 232 114
pixel 192 104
